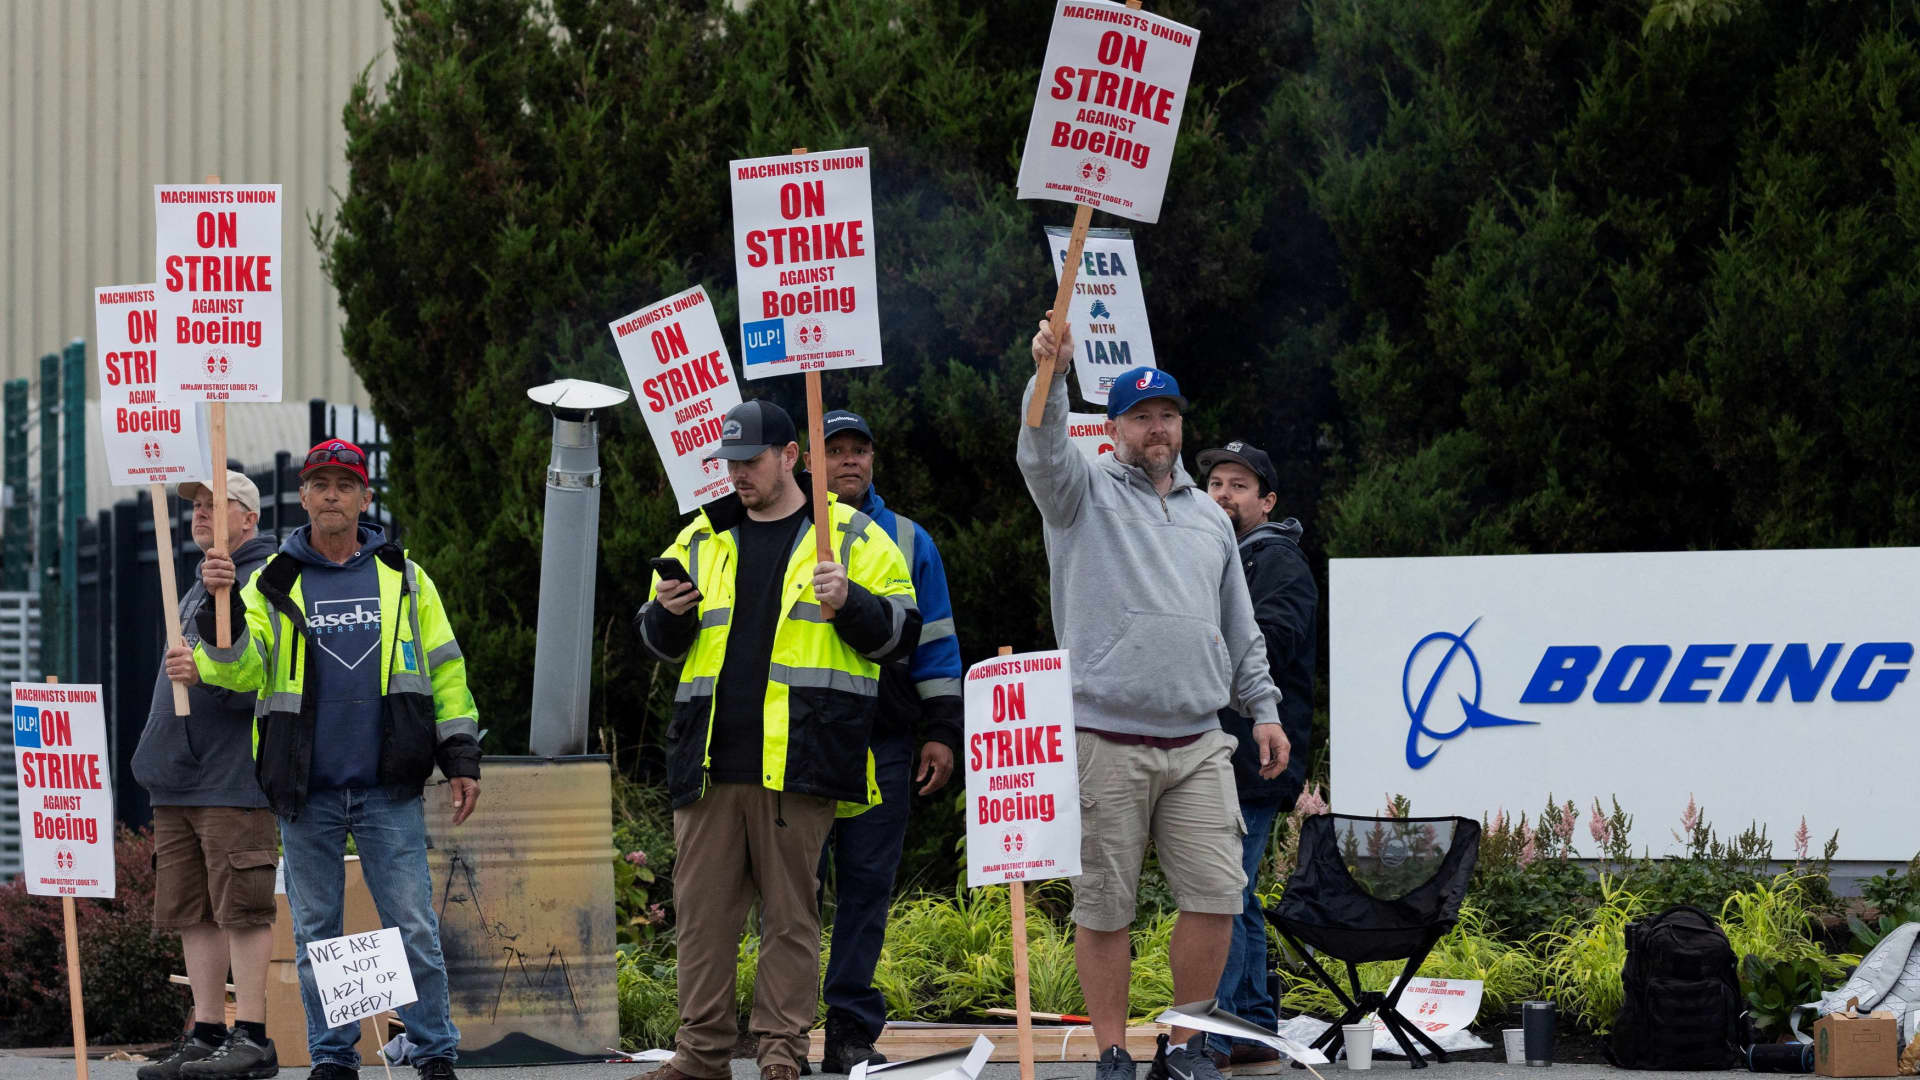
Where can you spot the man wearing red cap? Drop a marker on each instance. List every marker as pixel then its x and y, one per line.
pixel 348 646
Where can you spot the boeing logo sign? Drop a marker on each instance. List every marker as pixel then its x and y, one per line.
pixel 1724 672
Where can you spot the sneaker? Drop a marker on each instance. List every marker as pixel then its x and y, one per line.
pixel 1117 1064
pixel 1188 1062
pixel 847 1046
pixel 239 1058
pixel 435 1069
pixel 186 1048
pixel 333 1070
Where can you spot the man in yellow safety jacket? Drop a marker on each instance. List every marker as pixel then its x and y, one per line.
pixel 362 691
pixel 769 734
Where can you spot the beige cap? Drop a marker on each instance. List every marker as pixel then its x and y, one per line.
pixel 239 489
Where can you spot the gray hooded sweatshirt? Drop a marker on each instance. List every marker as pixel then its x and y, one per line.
pixel 206 758
pixel 1148 594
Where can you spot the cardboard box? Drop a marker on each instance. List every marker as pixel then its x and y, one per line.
pixel 286 1017
pixel 1845 1045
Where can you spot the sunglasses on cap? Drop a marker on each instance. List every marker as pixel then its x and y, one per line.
pixel 328 455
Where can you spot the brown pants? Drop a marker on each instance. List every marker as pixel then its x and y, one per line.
pixel 729 846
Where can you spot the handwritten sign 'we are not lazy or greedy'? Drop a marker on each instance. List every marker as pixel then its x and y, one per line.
pixel 361 975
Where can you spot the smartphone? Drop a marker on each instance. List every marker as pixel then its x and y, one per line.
pixel 670 570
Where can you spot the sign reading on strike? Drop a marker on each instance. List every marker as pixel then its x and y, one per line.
pixel 1108 313
pixel 1087 431
pixel 361 975
pixel 683 382
pixel 1104 121
pixel 1023 780
pixel 803 249
pixel 66 789
pixel 149 441
pixel 217 252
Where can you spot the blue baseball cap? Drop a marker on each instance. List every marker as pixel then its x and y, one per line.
pixel 840 420
pixel 1139 384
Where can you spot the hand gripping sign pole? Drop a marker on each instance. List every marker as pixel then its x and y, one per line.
pixel 1102 63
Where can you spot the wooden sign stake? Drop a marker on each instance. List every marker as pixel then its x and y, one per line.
pixel 1062 296
pixel 74 1000
pixel 822 513
pixel 169 598
pixel 379 1030
pixel 217 431
pixel 1022 980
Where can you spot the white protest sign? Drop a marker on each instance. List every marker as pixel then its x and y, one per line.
pixel 66 789
pixel 1022 778
pixel 148 440
pixel 218 273
pixel 1437 1006
pixel 1108 313
pixel 361 975
pixel 1209 1016
pixel 676 358
pixel 803 252
pixel 1112 89
pixel 1087 431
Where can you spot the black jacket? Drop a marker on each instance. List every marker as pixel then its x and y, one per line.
pixel 1286 603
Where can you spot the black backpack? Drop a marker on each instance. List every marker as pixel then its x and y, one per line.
pixel 1681 1007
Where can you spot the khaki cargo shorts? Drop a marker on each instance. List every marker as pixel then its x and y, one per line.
pixel 213 864
pixel 1184 799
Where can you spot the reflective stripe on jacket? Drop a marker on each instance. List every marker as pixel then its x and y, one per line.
pixel 429 718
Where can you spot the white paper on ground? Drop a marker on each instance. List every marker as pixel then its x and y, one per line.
pixel 951 1065
pixel 641 1055
pixel 1305 1029
pixel 1208 1016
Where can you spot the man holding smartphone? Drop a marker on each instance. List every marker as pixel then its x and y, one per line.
pixel 779 684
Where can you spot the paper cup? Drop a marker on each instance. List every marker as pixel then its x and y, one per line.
pixel 1359 1044
pixel 1516 1040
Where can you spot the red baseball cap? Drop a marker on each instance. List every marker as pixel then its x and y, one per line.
pixel 336 454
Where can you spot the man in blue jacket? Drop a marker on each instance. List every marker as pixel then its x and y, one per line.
pixel 920 696
pixel 1241 479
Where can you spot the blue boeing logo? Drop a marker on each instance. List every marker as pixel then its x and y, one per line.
pixel 1471 714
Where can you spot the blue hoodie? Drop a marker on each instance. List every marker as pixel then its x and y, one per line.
pixel 927 686
pixel 342 603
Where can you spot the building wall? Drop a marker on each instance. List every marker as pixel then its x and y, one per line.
pixel 105 98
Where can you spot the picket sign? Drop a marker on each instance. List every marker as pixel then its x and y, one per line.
pixel 1144 178
pixel 125 321
pixel 74 1001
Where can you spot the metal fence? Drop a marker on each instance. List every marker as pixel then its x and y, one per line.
pixel 19 661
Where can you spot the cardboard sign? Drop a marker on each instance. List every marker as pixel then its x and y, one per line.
pixel 803 251
pixel 1023 780
pixel 148 440
pixel 1087 431
pixel 218 275
pixel 361 975
pixel 66 789
pixel 683 382
pixel 1108 313
pixel 1108 110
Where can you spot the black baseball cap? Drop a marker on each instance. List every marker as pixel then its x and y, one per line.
pixel 840 420
pixel 1244 454
pixel 751 427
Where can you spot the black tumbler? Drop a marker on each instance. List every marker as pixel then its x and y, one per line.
pixel 1536 1021
pixel 1790 1057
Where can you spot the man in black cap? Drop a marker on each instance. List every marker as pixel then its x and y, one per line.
pixel 1240 477
pixel 780 658
pixel 920 695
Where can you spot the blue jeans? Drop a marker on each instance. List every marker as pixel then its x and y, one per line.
pixel 864 852
pixel 1243 982
pixel 390 831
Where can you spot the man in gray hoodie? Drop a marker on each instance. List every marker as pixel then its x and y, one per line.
pixel 1149 598
pixel 214 839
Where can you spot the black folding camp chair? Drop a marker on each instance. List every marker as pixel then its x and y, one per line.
pixel 1370 889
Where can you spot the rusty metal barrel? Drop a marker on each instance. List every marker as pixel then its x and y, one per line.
pixel 524 893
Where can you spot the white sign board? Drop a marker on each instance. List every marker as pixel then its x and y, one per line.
pixel 1087 431
pixel 803 252
pixel 1108 312
pixel 218 275
pixel 1112 89
pixel 148 440
pixel 676 358
pixel 1470 685
pixel 1022 772
pixel 963 1064
pixel 361 975
pixel 65 788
